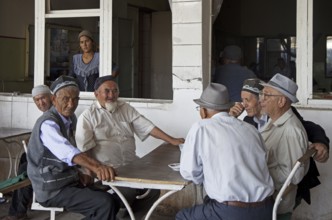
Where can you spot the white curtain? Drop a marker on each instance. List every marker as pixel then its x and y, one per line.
pixel 170 4
pixel 216 5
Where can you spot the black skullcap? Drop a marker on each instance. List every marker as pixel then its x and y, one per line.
pixel 101 80
pixel 252 85
pixel 61 82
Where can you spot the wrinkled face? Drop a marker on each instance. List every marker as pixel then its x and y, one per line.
pixel 107 92
pixel 269 100
pixel 43 102
pixel 251 104
pixel 86 44
pixel 66 100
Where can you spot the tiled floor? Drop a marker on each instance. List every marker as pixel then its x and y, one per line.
pixel 161 213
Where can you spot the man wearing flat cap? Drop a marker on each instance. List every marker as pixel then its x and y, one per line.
pixel 53 160
pixel 106 131
pixel 231 73
pixel 228 157
pixel 285 137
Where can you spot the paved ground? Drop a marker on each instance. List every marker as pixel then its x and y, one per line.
pixel 161 213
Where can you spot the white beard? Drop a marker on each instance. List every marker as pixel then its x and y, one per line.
pixel 111 106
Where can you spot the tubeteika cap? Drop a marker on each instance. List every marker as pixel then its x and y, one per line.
pixel 284 85
pixel 61 82
pixel 40 89
pixel 215 96
pixel 232 52
pixel 252 85
pixel 85 33
pixel 101 80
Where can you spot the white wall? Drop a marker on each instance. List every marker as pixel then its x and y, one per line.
pixel 321 204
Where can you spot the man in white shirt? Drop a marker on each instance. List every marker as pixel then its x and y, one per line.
pixel 228 156
pixel 106 131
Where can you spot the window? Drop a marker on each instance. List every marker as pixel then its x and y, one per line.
pixel 130 36
pixel 322 50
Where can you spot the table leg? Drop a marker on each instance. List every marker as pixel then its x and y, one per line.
pixel 10 163
pixel 17 158
pixel 156 203
pixel 125 202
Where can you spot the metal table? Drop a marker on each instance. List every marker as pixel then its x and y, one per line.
pixel 8 135
pixel 151 172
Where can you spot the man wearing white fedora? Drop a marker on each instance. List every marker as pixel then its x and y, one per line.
pixel 285 137
pixel 228 156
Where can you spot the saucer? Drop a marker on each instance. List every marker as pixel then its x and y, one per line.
pixel 174 166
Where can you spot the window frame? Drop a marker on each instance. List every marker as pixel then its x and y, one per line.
pixel 43 12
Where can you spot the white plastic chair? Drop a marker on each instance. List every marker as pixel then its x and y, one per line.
pixel 283 190
pixel 36 206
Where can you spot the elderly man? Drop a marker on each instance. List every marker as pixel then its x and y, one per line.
pixel 42 97
pixel 285 137
pixel 316 134
pixel 21 198
pixel 53 159
pixel 106 130
pixel 231 73
pixel 228 156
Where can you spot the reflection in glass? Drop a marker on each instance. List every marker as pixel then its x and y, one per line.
pixel 329 56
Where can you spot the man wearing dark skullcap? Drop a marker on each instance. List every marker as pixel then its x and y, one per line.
pixel 106 130
pixel 53 160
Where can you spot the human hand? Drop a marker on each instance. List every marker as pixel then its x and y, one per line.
pixel 177 141
pixel 105 173
pixel 237 109
pixel 322 154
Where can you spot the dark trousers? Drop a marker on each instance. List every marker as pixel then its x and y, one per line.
pixel 213 210
pixel 92 204
pixel 22 197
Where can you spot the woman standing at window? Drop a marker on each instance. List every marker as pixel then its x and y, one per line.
pixel 86 64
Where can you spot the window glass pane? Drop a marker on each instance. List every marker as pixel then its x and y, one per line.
pixel 322 50
pixel 268 45
pixel 74 4
pixel 61 44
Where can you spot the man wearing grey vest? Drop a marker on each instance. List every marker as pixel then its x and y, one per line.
pixel 53 159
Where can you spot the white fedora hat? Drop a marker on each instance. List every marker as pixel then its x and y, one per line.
pixel 284 85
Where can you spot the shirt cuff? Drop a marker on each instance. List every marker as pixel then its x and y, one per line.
pixel 71 155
